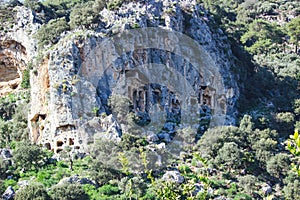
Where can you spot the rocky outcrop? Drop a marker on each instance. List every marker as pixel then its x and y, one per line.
pixel 77 180
pixel 168 81
pixel 173 176
pixel 162 55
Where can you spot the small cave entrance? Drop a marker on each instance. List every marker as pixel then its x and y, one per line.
pixel 48 145
pixel 12 64
pixel 58 150
pixel 71 141
pixel 59 143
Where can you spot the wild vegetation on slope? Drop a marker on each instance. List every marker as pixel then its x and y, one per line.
pixel 249 161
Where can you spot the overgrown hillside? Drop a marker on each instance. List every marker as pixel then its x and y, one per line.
pixel 257 158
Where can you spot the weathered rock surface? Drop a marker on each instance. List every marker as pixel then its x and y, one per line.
pixel 5 153
pixel 9 193
pixel 170 84
pixel 76 180
pixel 173 176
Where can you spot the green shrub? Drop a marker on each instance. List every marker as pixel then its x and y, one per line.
pixel 278 165
pixel 69 192
pixel 25 79
pixel 108 190
pixel 248 183
pixel 291 191
pixel 34 5
pixel 32 192
pixel 10 182
pixel 83 16
pixel 49 33
pixel 229 155
pixel 28 156
pixel 114 4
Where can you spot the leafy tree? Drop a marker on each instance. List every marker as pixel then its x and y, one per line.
pixel 248 183
pixel 105 165
pixel 285 122
pixel 69 192
pixel 261 36
pixel 34 5
pixel 278 165
pixel 264 149
pixel 32 192
pixel 13 120
pixel 83 15
pixel 213 140
pixel 167 190
pixel 229 155
pixel 293 145
pixel 246 124
pixel 293 30
pixel 68 155
pixel 109 190
pixel 28 156
pixel 246 12
pixel 291 190
pixel 120 105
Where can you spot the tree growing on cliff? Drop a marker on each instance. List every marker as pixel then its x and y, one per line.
pixel 34 5
pixel 83 15
pixel 49 33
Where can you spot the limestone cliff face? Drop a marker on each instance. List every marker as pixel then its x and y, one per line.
pixel 169 84
pixel 17 47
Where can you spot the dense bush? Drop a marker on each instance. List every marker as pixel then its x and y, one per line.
pixel 279 165
pixel 34 5
pixel 27 156
pixel 25 79
pixel 32 191
pixel 13 119
pixel 49 33
pixel 83 15
pixel 69 192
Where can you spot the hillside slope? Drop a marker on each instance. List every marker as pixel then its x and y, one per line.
pixel 149 99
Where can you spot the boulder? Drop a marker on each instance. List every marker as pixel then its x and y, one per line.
pixel 164 137
pixel 76 179
pixel 5 153
pixel 9 193
pixel 169 126
pixel 173 176
pixel 266 189
pixel 152 137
